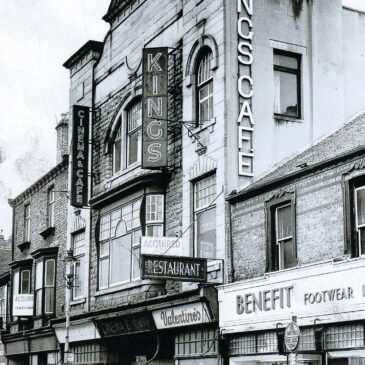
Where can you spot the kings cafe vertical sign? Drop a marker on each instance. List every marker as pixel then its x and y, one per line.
pixel 154 135
pixel 79 156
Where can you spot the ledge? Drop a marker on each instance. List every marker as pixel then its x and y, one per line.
pixel 47 232
pixel 280 119
pixel 78 301
pixel 125 286
pixel 24 245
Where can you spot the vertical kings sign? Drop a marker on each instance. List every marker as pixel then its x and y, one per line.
pixel 80 154
pixel 154 135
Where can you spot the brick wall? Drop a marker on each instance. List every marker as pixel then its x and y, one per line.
pixel 319 222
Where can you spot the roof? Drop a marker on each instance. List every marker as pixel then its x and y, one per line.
pixel 89 46
pixel 115 7
pixel 347 140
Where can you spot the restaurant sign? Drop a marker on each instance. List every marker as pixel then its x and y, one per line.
pixel 172 267
pixel 154 111
pixel 23 305
pixel 171 246
pixel 181 316
pixel 80 156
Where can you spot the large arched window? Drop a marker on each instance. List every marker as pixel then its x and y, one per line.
pixel 128 137
pixel 204 86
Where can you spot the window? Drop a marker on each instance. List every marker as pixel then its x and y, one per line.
pixel 287 84
pixel 127 141
pixel 3 291
pixel 359 199
pixel 120 233
pixel 204 87
pixel 205 217
pixel 154 215
pixel 27 223
pixel 50 207
pixel 45 287
pixel 21 281
pixel 79 265
pixel 282 253
pixel 134 133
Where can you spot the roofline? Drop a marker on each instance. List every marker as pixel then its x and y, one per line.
pixel 348 7
pixel 81 52
pixel 252 191
pixel 41 181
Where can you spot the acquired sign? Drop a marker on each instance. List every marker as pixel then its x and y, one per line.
pixel 291 336
pixel 182 315
pixel 23 305
pixel 171 267
pixel 80 154
pixel 154 111
pixel 160 245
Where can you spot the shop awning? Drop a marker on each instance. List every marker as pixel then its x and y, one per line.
pixel 347 353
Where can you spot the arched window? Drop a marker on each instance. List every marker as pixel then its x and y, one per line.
pixel 128 137
pixel 204 86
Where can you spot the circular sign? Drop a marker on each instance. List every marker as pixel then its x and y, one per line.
pixel 291 336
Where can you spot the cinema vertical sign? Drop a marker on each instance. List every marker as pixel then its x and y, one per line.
pixel 154 113
pixel 80 156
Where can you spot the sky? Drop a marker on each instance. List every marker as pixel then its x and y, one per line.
pixel 36 37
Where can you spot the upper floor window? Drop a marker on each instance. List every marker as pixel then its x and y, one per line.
pixel 78 241
pixel 120 233
pixel 21 281
pixel 50 206
pixel 282 253
pixel 287 81
pixel 44 287
pixel 3 294
pixel 127 141
pixel 205 217
pixel 359 200
pixel 27 223
pixel 204 86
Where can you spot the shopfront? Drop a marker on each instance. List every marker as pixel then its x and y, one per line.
pixel 326 300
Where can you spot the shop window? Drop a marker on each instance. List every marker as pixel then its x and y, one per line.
pixel 287 81
pixel 27 223
pixel 50 206
pixel 79 269
pixel 204 86
pixel 45 286
pixel 205 217
pixel 281 245
pixel 128 138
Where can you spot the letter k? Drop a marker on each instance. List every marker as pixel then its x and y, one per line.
pixel 152 62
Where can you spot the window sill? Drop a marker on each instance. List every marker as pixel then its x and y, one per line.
pixel 121 173
pixel 78 301
pixel 129 285
pixel 24 245
pixel 48 232
pixel 280 119
pixel 205 126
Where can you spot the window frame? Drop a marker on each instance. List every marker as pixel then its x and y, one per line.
pixel 78 257
pixel 297 72
pixel 198 212
pixel 3 301
pixel 160 223
pixel 204 53
pixel 123 135
pixel 50 206
pixel 271 223
pixel 43 261
pixel 26 222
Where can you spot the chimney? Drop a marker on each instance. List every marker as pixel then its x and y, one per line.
pixel 62 137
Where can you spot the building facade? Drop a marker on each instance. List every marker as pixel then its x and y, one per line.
pixel 298 256
pixel 37 264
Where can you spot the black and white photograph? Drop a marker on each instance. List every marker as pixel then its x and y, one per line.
pixel 182 182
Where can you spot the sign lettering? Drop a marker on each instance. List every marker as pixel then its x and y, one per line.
pixel 161 245
pixel 245 119
pixel 80 156
pixel 171 267
pixel 154 113
pixel 23 305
